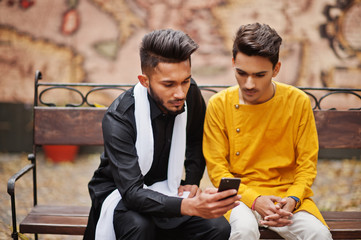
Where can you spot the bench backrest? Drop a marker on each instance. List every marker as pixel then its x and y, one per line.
pixel 68 125
pixel 82 126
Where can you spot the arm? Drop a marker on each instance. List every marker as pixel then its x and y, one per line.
pixel 216 145
pixel 306 149
pixel 194 162
pixel 306 152
pixel 210 203
pixel 119 149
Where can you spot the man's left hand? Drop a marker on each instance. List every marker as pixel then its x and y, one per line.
pixel 192 189
pixel 288 204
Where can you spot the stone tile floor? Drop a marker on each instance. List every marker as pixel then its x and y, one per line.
pixel 337 186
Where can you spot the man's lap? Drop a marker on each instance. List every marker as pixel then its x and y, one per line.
pixel 130 222
pixel 245 221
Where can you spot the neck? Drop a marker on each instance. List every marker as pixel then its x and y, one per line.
pixel 243 101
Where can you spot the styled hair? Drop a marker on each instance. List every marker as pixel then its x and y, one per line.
pixel 166 45
pixel 258 40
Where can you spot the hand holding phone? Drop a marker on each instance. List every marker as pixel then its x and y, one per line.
pixel 229 183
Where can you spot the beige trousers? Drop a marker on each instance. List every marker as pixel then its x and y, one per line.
pixel 245 222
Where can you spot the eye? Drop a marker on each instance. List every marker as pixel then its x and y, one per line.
pixel 260 75
pixel 186 81
pixel 168 84
pixel 242 74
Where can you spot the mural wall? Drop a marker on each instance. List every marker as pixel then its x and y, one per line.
pixel 98 40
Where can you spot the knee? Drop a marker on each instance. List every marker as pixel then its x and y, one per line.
pixel 134 226
pixel 245 233
pixel 317 233
pixel 245 230
pixel 220 228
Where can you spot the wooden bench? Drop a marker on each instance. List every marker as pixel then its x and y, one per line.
pixel 70 126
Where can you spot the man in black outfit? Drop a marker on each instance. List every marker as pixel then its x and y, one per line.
pixel 151 132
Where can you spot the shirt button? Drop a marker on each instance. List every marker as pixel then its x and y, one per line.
pixel 236 106
pixel 238 130
pixel 237 153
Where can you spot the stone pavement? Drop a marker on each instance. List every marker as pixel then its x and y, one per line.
pixel 337 186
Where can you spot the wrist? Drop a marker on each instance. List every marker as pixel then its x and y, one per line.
pixel 254 203
pixel 187 207
pixel 297 201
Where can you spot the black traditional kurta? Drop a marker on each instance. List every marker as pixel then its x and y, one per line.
pixel 119 166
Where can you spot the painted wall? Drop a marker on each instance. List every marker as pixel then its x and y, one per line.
pixel 98 40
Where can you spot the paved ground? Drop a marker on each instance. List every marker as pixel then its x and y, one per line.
pixel 337 186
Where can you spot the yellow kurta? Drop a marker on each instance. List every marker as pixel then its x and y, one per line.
pixel 272 146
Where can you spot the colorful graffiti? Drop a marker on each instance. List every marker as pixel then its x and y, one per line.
pixel 98 40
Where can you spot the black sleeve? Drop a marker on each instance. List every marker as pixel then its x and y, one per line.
pixel 119 148
pixel 194 163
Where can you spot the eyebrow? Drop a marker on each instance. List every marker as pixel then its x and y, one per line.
pixel 240 70
pixel 169 80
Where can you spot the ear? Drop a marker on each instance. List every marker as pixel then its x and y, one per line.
pixel 144 80
pixel 276 70
pixel 233 63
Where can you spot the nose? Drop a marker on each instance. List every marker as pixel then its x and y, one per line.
pixel 179 93
pixel 249 84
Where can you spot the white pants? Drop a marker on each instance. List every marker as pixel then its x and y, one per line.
pixel 245 222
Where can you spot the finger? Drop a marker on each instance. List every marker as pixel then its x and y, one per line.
pixel 211 190
pixel 284 222
pixel 284 213
pixel 226 194
pixel 193 191
pixel 221 210
pixel 272 217
pixel 180 191
pixel 279 223
pixel 199 191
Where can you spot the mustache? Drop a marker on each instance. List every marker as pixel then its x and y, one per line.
pixel 177 100
pixel 249 90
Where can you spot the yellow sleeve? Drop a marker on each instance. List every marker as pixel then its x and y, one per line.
pixel 215 143
pixel 216 147
pixel 306 154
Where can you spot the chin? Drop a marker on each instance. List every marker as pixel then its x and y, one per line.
pixel 175 111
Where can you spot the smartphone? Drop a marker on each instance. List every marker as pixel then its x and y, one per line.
pixel 229 183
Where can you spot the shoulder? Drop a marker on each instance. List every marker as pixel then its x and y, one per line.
pixel 122 103
pixel 291 92
pixel 193 89
pixel 291 97
pixel 122 107
pixel 194 95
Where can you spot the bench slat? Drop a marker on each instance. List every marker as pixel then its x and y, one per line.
pixel 69 225
pixel 72 220
pixel 341 216
pixel 338 129
pixel 81 211
pixel 68 125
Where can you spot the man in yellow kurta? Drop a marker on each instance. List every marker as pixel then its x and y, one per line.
pixel 264 132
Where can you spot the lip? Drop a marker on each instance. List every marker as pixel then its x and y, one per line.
pixel 177 103
pixel 249 93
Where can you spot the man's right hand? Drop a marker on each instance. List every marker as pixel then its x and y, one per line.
pixel 210 203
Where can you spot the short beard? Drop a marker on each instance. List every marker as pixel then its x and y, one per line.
pixel 160 103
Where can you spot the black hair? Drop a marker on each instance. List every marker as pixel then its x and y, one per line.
pixel 258 40
pixel 166 45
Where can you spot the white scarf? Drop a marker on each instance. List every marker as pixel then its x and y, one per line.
pixel 145 148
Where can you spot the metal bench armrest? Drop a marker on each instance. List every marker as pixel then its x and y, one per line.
pixel 11 191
